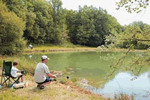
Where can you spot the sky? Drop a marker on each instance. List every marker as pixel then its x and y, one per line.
pixel 122 16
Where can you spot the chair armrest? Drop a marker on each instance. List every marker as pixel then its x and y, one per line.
pixel 22 72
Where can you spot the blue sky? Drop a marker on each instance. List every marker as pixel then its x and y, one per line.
pixel 122 16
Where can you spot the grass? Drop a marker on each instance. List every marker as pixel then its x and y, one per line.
pixel 7 96
pixel 67 45
pixel 54 91
pixel 123 96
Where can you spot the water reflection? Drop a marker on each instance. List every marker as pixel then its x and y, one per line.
pixel 127 83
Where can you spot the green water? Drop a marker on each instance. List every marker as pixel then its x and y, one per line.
pixel 93 66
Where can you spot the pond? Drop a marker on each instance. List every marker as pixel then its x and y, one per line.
pixel 96 66
pixel 127 83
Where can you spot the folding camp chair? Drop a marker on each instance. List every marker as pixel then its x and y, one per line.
pixel 7 78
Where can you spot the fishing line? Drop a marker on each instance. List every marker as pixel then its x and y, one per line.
pixel 119 86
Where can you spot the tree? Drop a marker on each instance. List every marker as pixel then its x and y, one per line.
pixel 59 30
pixel 139 24
pixel 114 30
pixel 70 19
pixel 133 5
pixel 39 22
pixel 18 7
pixel 11 32
pixel 134 34
pixel 89 26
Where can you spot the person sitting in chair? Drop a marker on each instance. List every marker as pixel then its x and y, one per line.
pixel 40 72
pixel 16 73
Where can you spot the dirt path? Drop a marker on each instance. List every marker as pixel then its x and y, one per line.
pixel 54 91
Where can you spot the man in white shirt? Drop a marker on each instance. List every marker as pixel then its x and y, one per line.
pixel 40 73
pixel 15 72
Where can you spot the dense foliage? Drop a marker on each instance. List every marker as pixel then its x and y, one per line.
pixel 11 31
pixel 89 26
pixel 46 22
pixel 136 34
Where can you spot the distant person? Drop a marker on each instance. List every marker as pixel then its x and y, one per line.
pixel 30 46
pixel 16 73
pixel 40 72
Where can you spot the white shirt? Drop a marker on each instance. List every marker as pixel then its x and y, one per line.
pixel 14 71
pixel 40 71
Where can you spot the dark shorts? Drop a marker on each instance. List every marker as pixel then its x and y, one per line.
pixel 47 80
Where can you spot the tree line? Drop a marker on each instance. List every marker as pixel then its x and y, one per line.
pixel 47 22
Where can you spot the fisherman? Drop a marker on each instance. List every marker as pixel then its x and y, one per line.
pixel 40 71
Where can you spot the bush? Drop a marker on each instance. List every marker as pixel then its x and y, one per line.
pixel 11 32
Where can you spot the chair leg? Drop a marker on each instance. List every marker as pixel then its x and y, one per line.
pixel 5 81
pixel 15 81
pixel 1 79
pixel 9 81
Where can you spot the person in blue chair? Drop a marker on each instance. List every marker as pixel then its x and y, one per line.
pixel 40 73
pixel 15 72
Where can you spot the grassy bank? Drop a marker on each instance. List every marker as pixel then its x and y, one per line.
pixel 69 47
pixel 54 91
